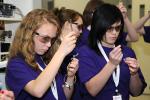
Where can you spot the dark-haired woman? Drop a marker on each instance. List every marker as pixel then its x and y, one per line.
pixel 109 70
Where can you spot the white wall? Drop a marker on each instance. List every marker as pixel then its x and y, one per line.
pixel 77 5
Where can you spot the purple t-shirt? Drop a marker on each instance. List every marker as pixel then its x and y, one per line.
pixel 19 73
pixel 146 36
pixel 90 64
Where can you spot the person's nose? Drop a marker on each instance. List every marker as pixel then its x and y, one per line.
pixel 114 31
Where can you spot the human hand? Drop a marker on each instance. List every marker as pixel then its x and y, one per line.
pixel 122 9
pixel 116 55
pixel 68 43
pixel 6 95
pixel 133 65
pixel 72 67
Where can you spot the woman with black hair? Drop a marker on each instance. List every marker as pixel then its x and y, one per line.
pixel 108 70
pixel 129 36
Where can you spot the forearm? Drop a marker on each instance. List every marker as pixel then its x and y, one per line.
pixel 68 90
pixel 96 84
pixel 139 25
pixel 135 84
pixel 132 35
pixel 40 85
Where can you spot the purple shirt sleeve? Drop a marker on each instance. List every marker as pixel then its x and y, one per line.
pixel 87 61
pixel 146 36
pixel 18 75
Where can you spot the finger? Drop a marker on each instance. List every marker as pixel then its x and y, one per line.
pixel 73 36
pixel 119 4
pixel 11 94
pixel 116 49
pixel 120 56
pixel 117 54
pixel 133 66
pixel 119 46
pixel 4 97
pixel 72 42
pixel 72 33
pixel 129 58
pixel 133 70
pixel 8 93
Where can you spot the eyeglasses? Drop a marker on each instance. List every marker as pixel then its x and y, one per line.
pixel 45 39
pixel 80 27
pixel 116 28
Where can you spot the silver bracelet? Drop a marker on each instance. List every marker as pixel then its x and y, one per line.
pixel 68 85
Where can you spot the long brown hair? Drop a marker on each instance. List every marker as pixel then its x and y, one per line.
pixel 89 10
pixel 23 41
pixel 64 15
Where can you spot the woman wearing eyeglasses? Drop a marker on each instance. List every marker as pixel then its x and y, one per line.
pixel 70 20
pixel 108 70
pixel 129 36
pixel 30 74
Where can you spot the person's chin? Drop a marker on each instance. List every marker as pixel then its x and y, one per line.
pixel 112 41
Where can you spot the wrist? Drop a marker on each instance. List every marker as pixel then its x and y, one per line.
pixel 69 81
pixel 113 65
pixel 126 20
pixel 60 54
